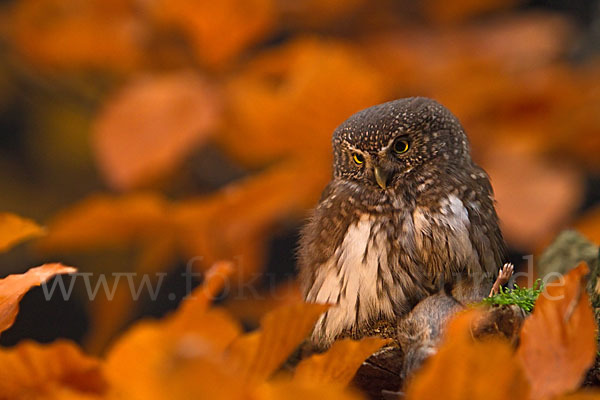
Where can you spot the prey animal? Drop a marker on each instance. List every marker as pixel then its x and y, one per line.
pixel 407 215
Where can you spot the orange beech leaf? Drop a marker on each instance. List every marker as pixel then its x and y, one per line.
pixel 282 389
pixel 151 125
pixel 215 279
pixel 465 368
pixel 558 340
pixel 14 229
pixel 339 364
pixel 102 221
pixel 152 358
pixel 57 370
pixel 14 287
pixel 218 30
pixel 179 355
pixel 251 310
pixel 75 34
pixel 257 355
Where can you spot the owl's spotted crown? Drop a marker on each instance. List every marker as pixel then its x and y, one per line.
pixel 394 138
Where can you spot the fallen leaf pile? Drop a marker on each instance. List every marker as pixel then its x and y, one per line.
pixel 200 351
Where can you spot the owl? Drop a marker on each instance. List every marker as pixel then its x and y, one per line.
pixel 407 215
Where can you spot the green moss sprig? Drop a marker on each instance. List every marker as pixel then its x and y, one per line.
pixel 523 297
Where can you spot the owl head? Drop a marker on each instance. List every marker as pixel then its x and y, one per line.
pixel 382 145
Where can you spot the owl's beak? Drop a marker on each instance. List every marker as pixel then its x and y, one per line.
pixel 381 176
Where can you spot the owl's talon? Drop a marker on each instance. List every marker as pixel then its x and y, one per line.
pixel 504 275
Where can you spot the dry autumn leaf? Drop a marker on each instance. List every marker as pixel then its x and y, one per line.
pixel 465 368
pixel 339 364
pixel 257 355
pixel 251 310
pixel 558 341
pixel 151 125
pixel 14 229
pixel 294 391
pixel 215 279
pixel 14 287
pixel 169 362
pixel 169 353
pixel 57 371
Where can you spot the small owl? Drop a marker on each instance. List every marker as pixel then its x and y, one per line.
pixel 407 215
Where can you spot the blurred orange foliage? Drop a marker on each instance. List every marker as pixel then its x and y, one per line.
pixel 151 125
pixel 78 33
pixel 16 229
pixel 217 30
pixel 57 371
pixel 172 132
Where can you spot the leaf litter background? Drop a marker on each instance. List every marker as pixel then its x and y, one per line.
pixel 145 134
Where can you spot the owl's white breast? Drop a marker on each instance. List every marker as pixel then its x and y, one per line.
pixel 350 280
pixel 358 278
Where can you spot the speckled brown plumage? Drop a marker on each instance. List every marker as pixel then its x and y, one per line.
pixel 376 245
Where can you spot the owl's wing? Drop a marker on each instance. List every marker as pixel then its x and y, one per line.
pixel 321 235
pixel 484 229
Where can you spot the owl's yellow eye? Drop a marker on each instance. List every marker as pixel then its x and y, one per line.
pixel 400 146
pixel 358 158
